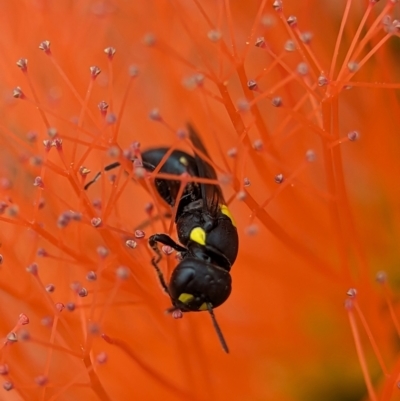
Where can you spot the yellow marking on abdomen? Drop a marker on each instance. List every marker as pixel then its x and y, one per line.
pixel 227 213
pixel 185 298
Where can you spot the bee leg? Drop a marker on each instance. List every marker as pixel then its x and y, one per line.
pixel 166 240
pixel 147 166
pixel 147 222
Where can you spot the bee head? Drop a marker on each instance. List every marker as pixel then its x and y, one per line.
pixel 196 282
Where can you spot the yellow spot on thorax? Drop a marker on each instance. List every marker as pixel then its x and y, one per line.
pixel 203 306
pixel 198 235
pixel 185 298
pixel 183 161
pixel 226 212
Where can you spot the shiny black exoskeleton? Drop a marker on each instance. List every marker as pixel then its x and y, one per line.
pixel 206 231
pixel 205 228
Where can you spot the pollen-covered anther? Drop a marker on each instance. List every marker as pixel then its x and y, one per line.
pixel 277 5
pixel 351 292
pixel 12 211
pixel 381 277
pixel 268 21
pixel 32 136
pixel 83 171
pixel 57 143
pixel 4 369
pixel 289 46
pixel 260 42
pixel 251 230
pixel 111 118
pixel 94 328
pixel 140 172
pixel 103 106
pixel 130 243
pixel 252 85
pixel 258 145
pixel 279 178
pixel 127 154
pixel 246 182
pixel 310 156
pixel 47 145
pixel 23 319
pixel 23 64
pixel 353 136
pixel 133 71
pixel 243 105
pixel 241 196
pixel 276 101
pixel 232 152
pixel 167 250
pixel 155 115
pixel 322 80
pixel 122 272
pixel 139 234
pixel 225 179
pixel 96 222
pixel 8 385
pixel 302 69
pixel 306 37
pixel 352 66
pixel 292 21
pixel 83 292
pixel 17 93
pixel 24 335
pixel 70 306
pixel 396 25
pixel 181 134
pixel 149 39
pixel 94 71
pixel 59 306
pixel 102 251
pixel 41 380
pixel 41 252
pixel 52 132
pixel 45 46
pixel 33 269
pixel 214 35
pixel 50 288
pixel 91 276
pixel 110 51
pixel 101 358
pixel 12 337
pixel 46 321
pixel 149 208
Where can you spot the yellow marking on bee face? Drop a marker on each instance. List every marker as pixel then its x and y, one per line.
pixel 183 161
pixel 226 212
pixel 203 306
pixel 185 298
pixel 198 235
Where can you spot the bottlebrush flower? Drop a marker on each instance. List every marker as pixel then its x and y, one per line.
pixel 297 103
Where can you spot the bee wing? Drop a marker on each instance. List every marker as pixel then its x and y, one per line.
pixel 210 193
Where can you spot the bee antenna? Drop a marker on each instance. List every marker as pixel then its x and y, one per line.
pixel 97 176
pixel 217 328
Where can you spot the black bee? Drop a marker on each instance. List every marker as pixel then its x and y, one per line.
pixel 201 281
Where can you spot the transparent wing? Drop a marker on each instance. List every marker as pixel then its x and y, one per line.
pixel 211 194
